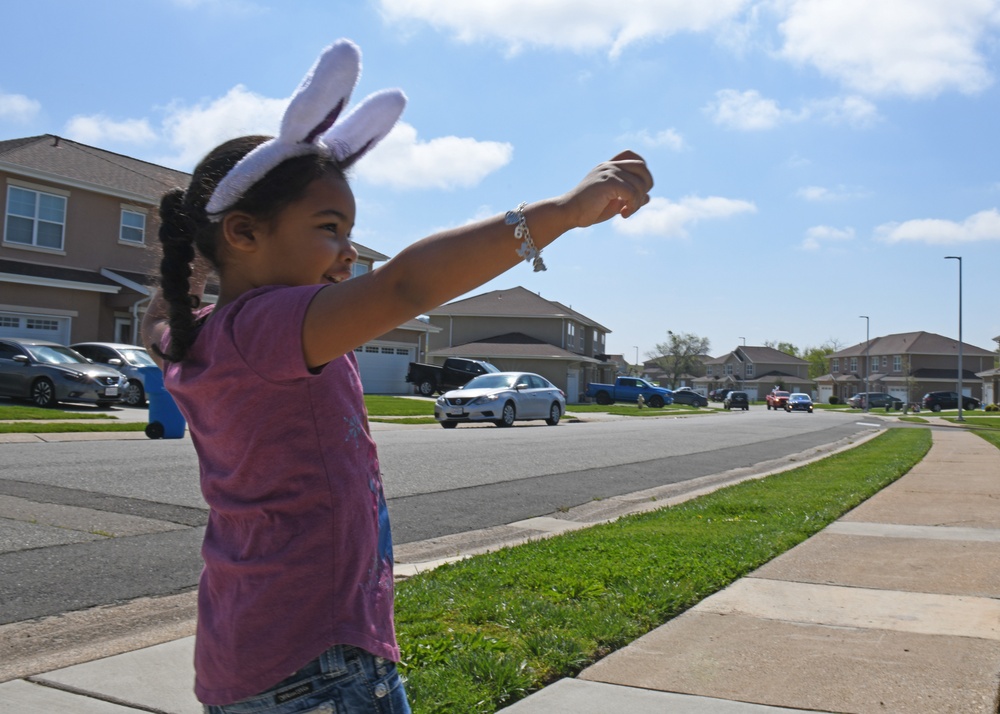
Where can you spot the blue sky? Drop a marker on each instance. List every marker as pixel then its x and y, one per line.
pixel 815 160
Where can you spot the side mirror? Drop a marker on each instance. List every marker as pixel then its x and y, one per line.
pixel 521 386
pixel 115 362
pixel 23 359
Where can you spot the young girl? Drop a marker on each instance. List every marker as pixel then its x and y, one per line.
pixel 295 600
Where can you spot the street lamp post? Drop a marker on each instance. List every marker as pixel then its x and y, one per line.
pixel 744 341
pixel 637 370
pixel 868 359
pixel 959 259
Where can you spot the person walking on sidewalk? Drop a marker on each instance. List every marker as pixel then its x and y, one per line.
pixel 295 599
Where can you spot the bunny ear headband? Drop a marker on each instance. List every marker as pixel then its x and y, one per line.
pixel 310 125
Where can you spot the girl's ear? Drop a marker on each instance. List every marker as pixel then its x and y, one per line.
pixel 238 231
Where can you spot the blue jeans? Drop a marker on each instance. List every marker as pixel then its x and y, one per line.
pixel 342 680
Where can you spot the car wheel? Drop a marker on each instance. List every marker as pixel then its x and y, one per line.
pixel 427 388
pixel 656 401
pixel 43 393
pixel 507 416
pixel 135 395
pixel 603 398
pixel 936 408
pixel 449 424
pixel 745 408
pixel 555 413
pixel 155 430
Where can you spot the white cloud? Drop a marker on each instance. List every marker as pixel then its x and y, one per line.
pixel 577 25
pixel 99 129
pixel 19 108
pixel 404 161
pixel 851 110
pixel 817 235
pixel 982 226
pixel 666 139
pixel 913 48
pixel 747 111
pixel 665 218
pixel 194 131
pixel 823 194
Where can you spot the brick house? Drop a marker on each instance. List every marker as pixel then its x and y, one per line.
pixel 756 371
pixel 517 329
pixel 906 365
pixel 77 251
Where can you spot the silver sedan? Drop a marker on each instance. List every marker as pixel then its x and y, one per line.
pixel 502 398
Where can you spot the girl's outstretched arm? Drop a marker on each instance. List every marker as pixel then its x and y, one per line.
pixel 441 267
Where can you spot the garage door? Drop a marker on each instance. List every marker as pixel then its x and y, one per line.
pixel 383 368
pixel 36 327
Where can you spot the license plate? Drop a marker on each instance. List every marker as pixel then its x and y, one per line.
pixel 456 412
pixel 111 392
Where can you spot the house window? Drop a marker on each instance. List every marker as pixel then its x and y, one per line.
pixel 371 350
pixel 729 369
pixel 359 269
pixel 10 321
pixel 34 323
pixel 133 229
pixel 35 218
pixel 835 365
pixel 749 369
pixel 897 363
pixel 874 365
pixel 708 370
pixel 854 364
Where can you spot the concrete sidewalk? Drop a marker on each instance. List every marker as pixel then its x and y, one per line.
pixel 893 608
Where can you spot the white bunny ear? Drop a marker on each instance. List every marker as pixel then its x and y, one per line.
pixel 323 93
pixel 366 125
pixel 308 125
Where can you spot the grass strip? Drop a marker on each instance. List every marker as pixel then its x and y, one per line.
pixel 479 634
pixel 67 427
pixel 380 405
pixel 13 411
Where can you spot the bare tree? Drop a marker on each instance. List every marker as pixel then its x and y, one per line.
pixel 681 354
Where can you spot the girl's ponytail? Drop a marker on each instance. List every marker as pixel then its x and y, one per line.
pixel 177 237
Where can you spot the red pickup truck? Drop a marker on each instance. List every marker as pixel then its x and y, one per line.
pixel 777 399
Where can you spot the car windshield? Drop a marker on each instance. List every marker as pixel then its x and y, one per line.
pixel 799 397
pixel 54 354
pixel 138 357
pixel 492 381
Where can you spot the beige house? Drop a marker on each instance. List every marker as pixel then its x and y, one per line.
pixel 517 329
pixel 77 251
pixel 756 371
pixel 907 366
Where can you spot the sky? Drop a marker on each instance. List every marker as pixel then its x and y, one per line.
pixel 815 160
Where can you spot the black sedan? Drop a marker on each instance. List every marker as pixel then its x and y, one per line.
pixel 799 402
pixel 936 401
pixel 693 399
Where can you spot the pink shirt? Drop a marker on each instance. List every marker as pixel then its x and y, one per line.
pixel 298 553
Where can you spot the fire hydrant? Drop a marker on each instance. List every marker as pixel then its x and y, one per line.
pixel 640 402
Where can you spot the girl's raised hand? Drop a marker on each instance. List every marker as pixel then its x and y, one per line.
pixel 617 187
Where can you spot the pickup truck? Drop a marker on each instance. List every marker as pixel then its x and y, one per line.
pixel 777 399
pixel 454 373
pixel 628 389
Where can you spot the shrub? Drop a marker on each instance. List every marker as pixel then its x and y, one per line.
pixel 992 408
pixel 834 400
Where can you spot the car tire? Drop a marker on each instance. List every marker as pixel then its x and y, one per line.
pixel 449 424
pixel 603 398
pixel 43 393
pixel 135 395
pixel 507 415
pixel 745 408
pixel 555 414
pixel 936 408
pixel 656 401
pixel 426 388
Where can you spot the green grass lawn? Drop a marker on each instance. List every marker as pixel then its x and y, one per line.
pixel 17 411
pixel 65 427
pixel 481 633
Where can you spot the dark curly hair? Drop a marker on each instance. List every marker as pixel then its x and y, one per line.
pixel 185 226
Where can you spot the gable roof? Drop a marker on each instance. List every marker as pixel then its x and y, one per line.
pixel 512 344
pixel 515 302
pixel 914 343
pixel 52 158
pixel 767 355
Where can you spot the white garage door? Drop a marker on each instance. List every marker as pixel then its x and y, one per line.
pixel 37 327
pixel 383 368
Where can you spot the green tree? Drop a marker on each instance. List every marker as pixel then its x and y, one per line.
pixel 819 358
pixel 681 354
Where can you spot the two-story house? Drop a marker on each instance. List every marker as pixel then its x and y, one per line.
pixel 991 378
pixel 756 371
pixel 78 251
pixel 906 365
pixel 517 329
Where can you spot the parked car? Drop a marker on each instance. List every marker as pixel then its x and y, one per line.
pixel 799 402
pixel 455 372
pixel 127 359
pixel 690 397
pixel 736 400
pixel 936 401
pixel 629 389
pixel 502 398
pixel 719 395
pixel 48 373
pixel 875 399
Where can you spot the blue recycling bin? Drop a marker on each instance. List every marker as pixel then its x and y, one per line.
pixel 165 419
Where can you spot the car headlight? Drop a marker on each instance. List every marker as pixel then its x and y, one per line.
pixel 485 399
pixel 441 401
pixel 75 376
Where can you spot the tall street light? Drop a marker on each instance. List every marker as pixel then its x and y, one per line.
pixel 959 259
pixel 637 370
pixel 868 359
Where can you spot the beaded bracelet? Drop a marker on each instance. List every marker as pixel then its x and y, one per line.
pixel 528 251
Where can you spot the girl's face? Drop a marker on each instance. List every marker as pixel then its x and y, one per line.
pixel 309 242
